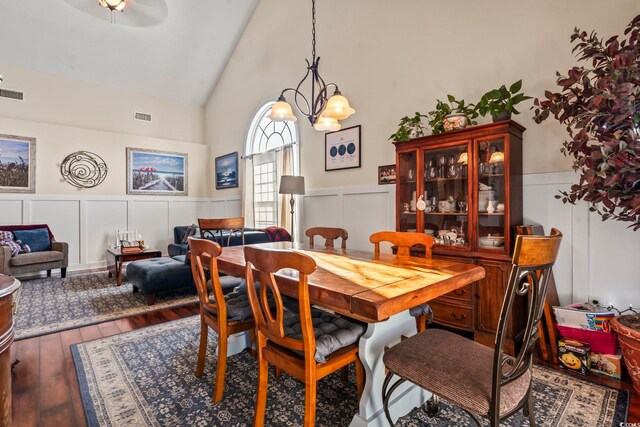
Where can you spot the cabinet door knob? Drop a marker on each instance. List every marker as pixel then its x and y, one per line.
pixel 455 316
pixel 460 291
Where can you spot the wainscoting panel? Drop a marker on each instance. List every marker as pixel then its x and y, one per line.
pixel 151 219
pixel 364 214
pixel 320 210
pixel 103 219
pixel 187 212
pixel 11 211
pixel 63 218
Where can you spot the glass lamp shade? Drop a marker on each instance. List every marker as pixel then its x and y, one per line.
pixel 463 158
pixel 281 112
pixel 113 4
pixel 497 157
pixel 337 107
pixel 326 124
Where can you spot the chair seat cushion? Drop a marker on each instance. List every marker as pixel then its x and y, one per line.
pixel 237 301
pixel 454 368
pixel 332 331
pixel 421 310
pixel 36 258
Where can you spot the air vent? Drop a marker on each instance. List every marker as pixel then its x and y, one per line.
pixel 11 94
pixel 143 117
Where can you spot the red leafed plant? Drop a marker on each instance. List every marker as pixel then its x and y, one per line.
pixel 600 105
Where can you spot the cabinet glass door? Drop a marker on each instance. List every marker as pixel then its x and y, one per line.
pixel 446 195
pixel 491 200
pixel 406 188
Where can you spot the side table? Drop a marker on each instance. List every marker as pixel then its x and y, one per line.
pixel 8 285
pixel 115 260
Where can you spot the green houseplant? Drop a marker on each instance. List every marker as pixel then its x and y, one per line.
pixel 599 103
pixel 408 128
pixel 500 103
pixel 454 114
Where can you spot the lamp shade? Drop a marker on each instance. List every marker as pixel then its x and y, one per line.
pixel 281 111
pixel 337 107
pixel 290 184
pixel 113 4
pixel 497 157
pixel 326 123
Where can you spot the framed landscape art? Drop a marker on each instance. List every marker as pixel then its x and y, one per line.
pixel 156 172
pixel 227 171
pixel 17 164
pixel 342 149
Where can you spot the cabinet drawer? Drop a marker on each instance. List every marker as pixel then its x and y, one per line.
pixel 452 315
pixel 462 294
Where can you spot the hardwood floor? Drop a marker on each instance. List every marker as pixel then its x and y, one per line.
pixel 45 384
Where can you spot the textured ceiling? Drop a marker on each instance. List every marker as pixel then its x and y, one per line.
pixel 174 49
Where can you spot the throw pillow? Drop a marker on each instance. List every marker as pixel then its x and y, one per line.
pixel 189 232
pixel 37 239
pixel 6 239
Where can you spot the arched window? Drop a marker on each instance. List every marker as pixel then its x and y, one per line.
pixel 273 150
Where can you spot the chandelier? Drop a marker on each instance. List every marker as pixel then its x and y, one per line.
pixel 113 5
pixel 323 112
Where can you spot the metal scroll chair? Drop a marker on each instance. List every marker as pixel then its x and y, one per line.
pixel 226 314
pixel 404 241
pixel 215 227
pixel 329 234
pixel 484 382
pixel 305 343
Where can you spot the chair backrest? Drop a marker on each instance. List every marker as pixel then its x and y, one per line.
pixel 267 262
pixel 403 241
pixel 205 252
pixel 329 234
pixel 211 226
pixel 533 258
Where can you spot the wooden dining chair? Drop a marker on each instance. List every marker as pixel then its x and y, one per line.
pixel 404 241
pixel 482 381
pixel 329 234
pixel 305 343
pixel 226 314
pixel 215 227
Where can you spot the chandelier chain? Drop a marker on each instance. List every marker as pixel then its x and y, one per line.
pixel 313 29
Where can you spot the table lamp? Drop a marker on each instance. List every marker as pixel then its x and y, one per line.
pixel 290 184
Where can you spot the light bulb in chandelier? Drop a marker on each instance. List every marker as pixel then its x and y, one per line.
pixel 337 107
pixel 117 5
pixel 281 111
pixel 326 124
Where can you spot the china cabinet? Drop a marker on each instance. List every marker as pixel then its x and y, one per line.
pixel 464 188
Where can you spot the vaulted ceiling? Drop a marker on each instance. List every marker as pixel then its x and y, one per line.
pixel 174 49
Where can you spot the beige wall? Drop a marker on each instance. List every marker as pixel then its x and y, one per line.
pixel 68 115
pixel 392 58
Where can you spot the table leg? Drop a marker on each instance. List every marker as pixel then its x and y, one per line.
pixel 119 271
pixel 372 345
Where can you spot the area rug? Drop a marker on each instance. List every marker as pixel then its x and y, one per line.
pixel 145 378
pixel 55 304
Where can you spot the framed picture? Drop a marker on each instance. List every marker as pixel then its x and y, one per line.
pixel 227 171
pixel 156 172
pixel 17 164
pixel 342 149
pixel 386 174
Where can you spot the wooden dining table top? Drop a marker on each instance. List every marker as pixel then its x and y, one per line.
pixel 360 284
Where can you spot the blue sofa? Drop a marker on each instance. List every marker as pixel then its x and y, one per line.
pixel 251 236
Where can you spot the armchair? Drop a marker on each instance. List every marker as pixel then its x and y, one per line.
pixel 56 257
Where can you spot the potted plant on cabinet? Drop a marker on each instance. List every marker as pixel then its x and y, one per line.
pixel 628 328
pixel 456 114
pixel 599 104
pixel 500 103
pixel 409 128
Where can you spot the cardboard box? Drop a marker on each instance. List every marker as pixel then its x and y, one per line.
pixel 575 355
pixel 576 317
pixel 607 364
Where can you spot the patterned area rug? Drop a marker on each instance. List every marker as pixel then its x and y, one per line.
pixel 55 304
pixel 145 378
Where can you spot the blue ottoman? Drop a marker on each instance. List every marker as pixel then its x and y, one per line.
pixel 159 274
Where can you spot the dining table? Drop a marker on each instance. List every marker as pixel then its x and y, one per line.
pixel 378 289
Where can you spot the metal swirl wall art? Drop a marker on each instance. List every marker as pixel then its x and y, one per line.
pixel 83 169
